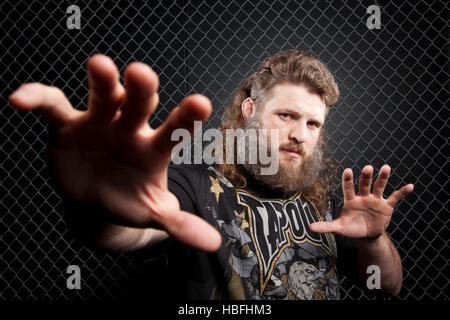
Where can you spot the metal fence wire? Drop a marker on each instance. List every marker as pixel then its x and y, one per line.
pixel 394 84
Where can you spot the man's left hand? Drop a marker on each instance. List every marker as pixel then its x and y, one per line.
pixel 367 214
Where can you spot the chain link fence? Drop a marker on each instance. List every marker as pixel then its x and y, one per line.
pixel 394 84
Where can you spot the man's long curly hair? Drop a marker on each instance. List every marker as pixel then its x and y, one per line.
pixel 295 67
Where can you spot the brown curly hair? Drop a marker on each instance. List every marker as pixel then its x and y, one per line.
pixel 291 66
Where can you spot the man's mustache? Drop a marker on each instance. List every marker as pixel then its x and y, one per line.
pixel 294 147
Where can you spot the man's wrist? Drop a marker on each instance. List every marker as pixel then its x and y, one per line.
pixel 372 242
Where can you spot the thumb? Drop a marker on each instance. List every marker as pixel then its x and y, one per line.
pixel 193 231
pixel 326 227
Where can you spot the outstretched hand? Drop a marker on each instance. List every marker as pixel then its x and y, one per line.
pixel 111 158
pixel 367 214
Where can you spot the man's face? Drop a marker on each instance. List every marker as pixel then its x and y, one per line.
pixel 299 116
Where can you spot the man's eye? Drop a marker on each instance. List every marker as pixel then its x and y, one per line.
pixel 285 116
pixel 314 123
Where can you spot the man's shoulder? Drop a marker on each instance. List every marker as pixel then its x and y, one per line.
pixel 188 169
pixel 197 172
pixel 191 172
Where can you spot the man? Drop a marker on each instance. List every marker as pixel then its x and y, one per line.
pixel 224 231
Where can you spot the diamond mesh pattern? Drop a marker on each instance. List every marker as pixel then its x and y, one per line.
pixel 393 109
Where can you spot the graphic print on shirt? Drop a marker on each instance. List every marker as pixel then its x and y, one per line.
pixel 274 255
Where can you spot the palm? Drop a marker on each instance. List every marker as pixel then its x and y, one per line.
pixel 112 158
pixel 367 214
pixel 365 217
pixel 116 175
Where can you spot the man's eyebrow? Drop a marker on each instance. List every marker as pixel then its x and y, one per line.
pixel 291 110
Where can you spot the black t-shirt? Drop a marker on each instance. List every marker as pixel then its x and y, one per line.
pixel 267 251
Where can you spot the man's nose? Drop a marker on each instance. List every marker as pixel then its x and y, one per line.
pixel 298 132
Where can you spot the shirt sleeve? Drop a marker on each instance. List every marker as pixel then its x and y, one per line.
pixel 181 183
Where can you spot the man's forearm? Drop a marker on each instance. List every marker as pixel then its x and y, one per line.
pixel 381 253
pixel 87 227
pixel 124 239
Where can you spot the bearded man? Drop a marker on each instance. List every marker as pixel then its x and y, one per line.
pixel 224 230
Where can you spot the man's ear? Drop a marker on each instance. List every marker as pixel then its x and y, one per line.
pixel 247 108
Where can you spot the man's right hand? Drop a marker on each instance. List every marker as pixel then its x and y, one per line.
pixel 112 158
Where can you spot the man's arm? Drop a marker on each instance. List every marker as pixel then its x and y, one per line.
pixel 99 234
pixel 365 217
pixel 112 164
pixel 382 253
pixel 124 239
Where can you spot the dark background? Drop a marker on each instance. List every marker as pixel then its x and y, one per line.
pixel 393 109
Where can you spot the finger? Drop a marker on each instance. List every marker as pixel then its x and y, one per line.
pixel 141 96
pixel 365 181
pixel 193 231
pixel 348 187
pixel 326 227
pixel 193 107
pixel 105 91
pixel 50 101
pixel 381 182
pixel 399 195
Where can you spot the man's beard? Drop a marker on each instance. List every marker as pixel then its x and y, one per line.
pixel 293 175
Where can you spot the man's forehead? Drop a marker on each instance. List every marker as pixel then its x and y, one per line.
pixel 297 98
